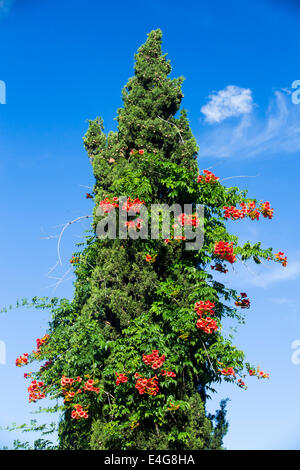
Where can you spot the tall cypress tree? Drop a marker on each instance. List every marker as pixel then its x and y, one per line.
pixel 135 354
pixel 161 173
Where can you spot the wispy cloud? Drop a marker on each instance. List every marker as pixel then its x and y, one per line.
pixel 232 101
pixel 268 274
pixel 278 131
pixel 278 274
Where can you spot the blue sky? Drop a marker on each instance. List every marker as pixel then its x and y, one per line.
pixel 65 64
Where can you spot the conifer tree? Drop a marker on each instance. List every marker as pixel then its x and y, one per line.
pixel 137 351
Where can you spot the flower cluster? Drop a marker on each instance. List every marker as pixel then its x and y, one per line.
pixel 149 386
pixel 249 209
pixel 134 223
pixel 68 387
pixel 66 381
pixel 208 177
pixel 154 360
pixel 74 260
pixel 121 378
pixel 208 325
pixel 188 219
pixel 224 250
pixel 36 391
pixel 243 301
pixel 258 373
pixel 79 412
pixel 22 360
pixel 233 213
pixel 89 386
pixel 133 205
pixel 108 205
pixel 39 344
pixel 227 372
pixel 266 210
pixel 167 373
pixel 204 307
pixel 281 258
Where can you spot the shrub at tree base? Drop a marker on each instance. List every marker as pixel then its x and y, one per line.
pixel 137 351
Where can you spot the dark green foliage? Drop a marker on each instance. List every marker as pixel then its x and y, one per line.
pixel 190 430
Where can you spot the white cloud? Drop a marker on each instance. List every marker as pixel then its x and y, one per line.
pixel 267 273
pixel 232 101
pixel 278 131
pixel 277 274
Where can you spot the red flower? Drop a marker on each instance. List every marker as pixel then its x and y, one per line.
pixel 207 325
pixel 203 307
pixel 248 209
pixel 154 360
pixel 280 257
pixel 133 205
pixel 208 177
pixel 79 413
pixel 243 302
pixel 107 205
pixel 121 378
pixel 228 371
pixel 233 213
pixel 148 386
pixel 171 374
pixel 266 210
pixel 191 219
pixel 36 391
pixel 225 251
pixel 22 360
pixel 130 224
